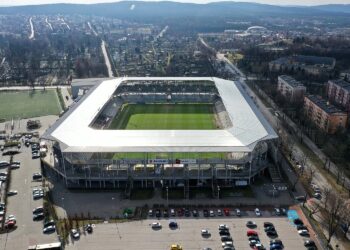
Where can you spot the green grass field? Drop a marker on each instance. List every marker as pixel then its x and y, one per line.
pixel 26 104
pixel 165 116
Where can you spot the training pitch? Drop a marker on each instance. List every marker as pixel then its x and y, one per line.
pixel 165 116
pixel 26 104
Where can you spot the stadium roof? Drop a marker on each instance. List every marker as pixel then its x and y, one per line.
pixel 72 130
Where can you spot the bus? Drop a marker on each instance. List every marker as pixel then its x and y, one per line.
pixel 50 246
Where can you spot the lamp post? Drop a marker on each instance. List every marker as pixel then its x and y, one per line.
pixel 218 192
pixel 167 196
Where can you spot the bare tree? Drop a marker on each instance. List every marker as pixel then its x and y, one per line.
pixel 326 195
pixel 334 209
pixel 345 218
pixel 315 208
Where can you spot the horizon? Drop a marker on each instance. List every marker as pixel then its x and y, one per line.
pixel 9 3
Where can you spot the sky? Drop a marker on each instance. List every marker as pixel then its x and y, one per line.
pixel 276 2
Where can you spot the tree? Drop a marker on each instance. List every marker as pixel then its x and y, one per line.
pixel 335 207
pixel 345 218
pixel 315 208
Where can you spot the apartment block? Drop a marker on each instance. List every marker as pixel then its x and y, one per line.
pixel 324 115
pixel 290 88
pixel 338 91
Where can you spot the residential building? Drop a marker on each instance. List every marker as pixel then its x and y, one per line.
pixel 338 91
pixel 324 115
pixel 290 88
pixel 313 65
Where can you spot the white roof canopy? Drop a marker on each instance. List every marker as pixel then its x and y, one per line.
pixel 249 126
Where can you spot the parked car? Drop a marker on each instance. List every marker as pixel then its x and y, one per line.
pixel 251 224
pixel 219 212
pixel 38 210
pixel 195 213
pixel 276 247
pixel 238 212
pixel 298 222
pixel 156 225
pixel 225 238
pixel 252 232
pixel 49 223
pixel 276 242
pixel 224 232
pixel 309 243
pixel 49 229
pixel 172 212
pixel 205 232
pixel 272 233
pixel 257 212
pixel 253 237
pixel 301 227
pixel 173 224
pixel 277 211
pixel 227 212
pixel 10 224
pixel 223 227
pixel 268 224
pixel 88 228
pixel 270 228
pixel 37 176
pixel 227 244
pixel 303 232
pixel 318 196
pixel 252 243
pixel 211 212
pixel 165 213
pixel 12 192
pixel 38 216
pixel 158 214
pixel 75 234
pixel 205 213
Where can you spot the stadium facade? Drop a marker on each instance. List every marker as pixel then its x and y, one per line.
pixel 89 153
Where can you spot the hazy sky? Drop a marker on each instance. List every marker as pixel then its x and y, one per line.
pixel 278 2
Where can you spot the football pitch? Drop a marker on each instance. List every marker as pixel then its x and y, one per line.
pixel 165 116
pixel 26 104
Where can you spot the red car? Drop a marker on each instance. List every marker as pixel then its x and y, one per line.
pixel 252 233
pixel 10 224
pixel 180 212
pixel 226 211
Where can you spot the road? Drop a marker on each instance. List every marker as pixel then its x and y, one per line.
pixel 64 23
pixel 161 33
pixel 48 23
pixel 31 36
pixel 105 55
pixel 92 29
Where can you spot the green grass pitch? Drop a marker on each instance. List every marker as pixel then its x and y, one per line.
pixel 165 116
pixel 26 104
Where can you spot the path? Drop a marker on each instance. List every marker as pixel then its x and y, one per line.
pixel 48 23
pixel 31 29
pixel 105 55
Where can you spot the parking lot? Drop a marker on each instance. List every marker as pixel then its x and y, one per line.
pixel 28 232
pixel 140 235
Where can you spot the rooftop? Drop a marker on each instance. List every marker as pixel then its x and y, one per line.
pixel 291 81
pixel 249 125
pixel 341 83
pixel 308 60
pixel 324 104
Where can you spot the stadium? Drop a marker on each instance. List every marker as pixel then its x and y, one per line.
pixel 148 132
